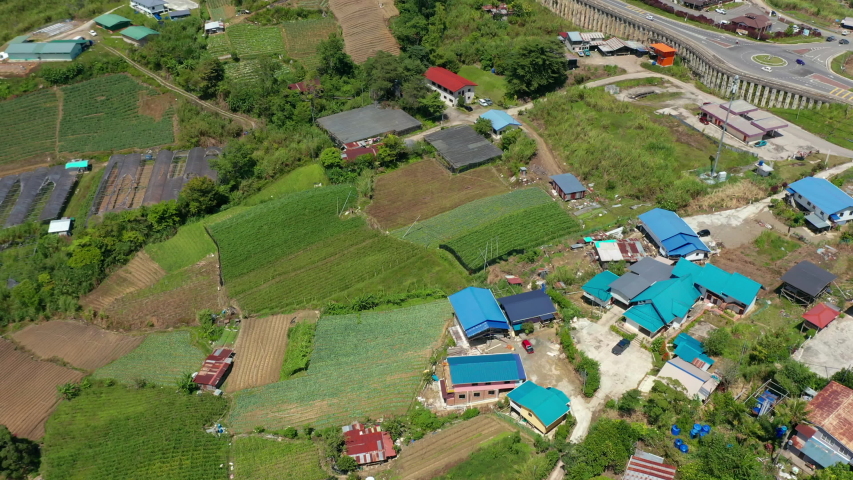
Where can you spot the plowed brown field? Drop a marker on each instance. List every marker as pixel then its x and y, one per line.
pixel 365 28
pixel 260 347
pixel 139 273
pixel 84 346
pixel 28 391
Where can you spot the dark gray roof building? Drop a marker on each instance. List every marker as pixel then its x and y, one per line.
pixel 462 147
pixel 630 285
pixel 807 278
pixel 652 269
pixel 367 122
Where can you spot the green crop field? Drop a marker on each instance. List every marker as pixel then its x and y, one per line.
pixel 218 45
pixel 267 459
pixel 217 9
pixel 511 234
pixel 28 124
pixel 161 359
pixel 363 365
pixel 253 40
pixel 242 70
pixel 150 433
pixel 311 255
pixel 303 37
pixel 471 216
pixel 303 178
pixel 102 114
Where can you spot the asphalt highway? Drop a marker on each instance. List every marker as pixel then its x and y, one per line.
pixel 816 74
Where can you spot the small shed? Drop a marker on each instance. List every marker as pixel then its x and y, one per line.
pixel 137 35
pixel 692 351
pixel 664 53
pixel 214 368
pixel 368 446
pixel 79 165
pixel 645 466
pixel 214 27
pixel 762 169
pixel 567 187
pixel 501 121
pixel 805 282
pixel 61 227
pixel 112 22
pixel 534 306
pixel 820 316
pixel 462 147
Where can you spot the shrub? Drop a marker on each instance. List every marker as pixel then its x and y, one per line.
pixel 345 463
pixel 470 413
pixel 290 432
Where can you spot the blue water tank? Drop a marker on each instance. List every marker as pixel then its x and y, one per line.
pixel 702 433
pixel 760 163
pixel 679 442
pixel 684 448
pixel 675 430
pixel 706 428
pixel 780 432
pixel 493 70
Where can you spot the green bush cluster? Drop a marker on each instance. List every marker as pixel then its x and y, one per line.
pixel 789 215
pixel 581 362
pixel 369 301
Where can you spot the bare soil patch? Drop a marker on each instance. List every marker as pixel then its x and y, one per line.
pixel 155 105
pixel 261 346
pixel 424 189
pixel 139 273
pixel 17 69
pixel 28 391
pixel 84 346
pixel 365 27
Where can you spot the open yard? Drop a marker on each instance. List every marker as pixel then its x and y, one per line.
pixel 261 346
pixel 302 37
pixel 28 391
pixel 355 357
pixel 262 458
pixel 364 25
pixel 303 178
pixel 489 85
pixel 161 359
pixel 829 351
pixel 83 346
pixel 426 189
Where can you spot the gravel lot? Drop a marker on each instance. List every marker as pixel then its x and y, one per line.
pixel 829 351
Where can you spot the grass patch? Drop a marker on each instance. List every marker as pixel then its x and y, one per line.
pixel 640 82
pixel 769 60
pixel 489 85
pixel 300 344
pixel 160 359
pixel 303 37
pixel 149 433
pixel 268 459
pixel 253 40
pixel 839 64
pixel 83 196
pixel 503 457
pixel 30 123
pixel 823 13
pixel 774 246
pixel 303 178
pixel 833 122
pixel 189 245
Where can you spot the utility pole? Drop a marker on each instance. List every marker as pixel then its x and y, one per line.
pixel 725 126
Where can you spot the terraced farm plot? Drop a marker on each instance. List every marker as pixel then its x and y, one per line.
pixel 242 70
pixel 365 28
pixel 274 273
pixel 161 359
pixel 355 357
pixel 260 458
pixel 218 45
pixel 426 189
pixel 220 9
pixel 29 125
pixel 261 346
pixel 28 391
pixel 139 273
pixel 83 346
pixel 253 40
pixel 303 178
pixel 303 37
pixel 102 114
pixel 143 434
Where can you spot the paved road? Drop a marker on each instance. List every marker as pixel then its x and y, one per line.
pixel 816 74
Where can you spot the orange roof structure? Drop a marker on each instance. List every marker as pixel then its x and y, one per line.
pixel 832 410
pixel 662 48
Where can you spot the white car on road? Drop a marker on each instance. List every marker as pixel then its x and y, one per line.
pixel 720 11
pixel 649 17
pixel 93 33
pixel 767 69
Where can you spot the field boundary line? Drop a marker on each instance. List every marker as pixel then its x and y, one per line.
pixel 184 93
pixel 60 100
pixel 218 258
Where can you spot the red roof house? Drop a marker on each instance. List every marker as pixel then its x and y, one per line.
pixel 645 466
pixel 306 86
pixel 447 79
pixel 215 366
pixel 368 445
pixel 821 315
pixel 351 154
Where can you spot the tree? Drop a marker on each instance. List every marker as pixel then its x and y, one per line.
pixel 719 340
pixel 844 377
pixel 791 411
pixel 630 402
pixel 185 383
pixel 483 126
pixel 723 458
pixel 535 66
pixel 164 215
pixel 334 61
pixel 346 463
pixel 290 432
pixel 331 158
pixel 432 106
pixel 199 196
pixel 205 78
pixel 835 472
pixel 392 151
pixel 236 163
pixel 19 457
pixel 541 443
pixel 617 268
pixel 68 391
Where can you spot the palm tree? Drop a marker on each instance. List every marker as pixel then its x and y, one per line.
pixel 792 411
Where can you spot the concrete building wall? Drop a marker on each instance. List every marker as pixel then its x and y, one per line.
pixel 450 98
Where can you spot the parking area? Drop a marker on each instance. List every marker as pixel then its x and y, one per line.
pixel 749 9
pixel 829 351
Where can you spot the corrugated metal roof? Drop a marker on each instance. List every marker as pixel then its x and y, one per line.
pixel 462 146
pixel 651 269
pixel 612 45
pixel 138 33
pixel 366 122
pixel 646 316
pixel 575 37
pixel 832 410
pixel 500 119
pixel 568 183
pixel 808 277
pixel 677 237
pixel 823 194
pixel 599 285
pixel 548 404
pixel 642 467
pixel 214 367
pixel 631 285
pixel 500 367
pixel 39 48
pixel 535 303
pixel 368 445
pixel 477 310
pixel 821 315
pixel 690 350
pixel 109 20
pixel 59 226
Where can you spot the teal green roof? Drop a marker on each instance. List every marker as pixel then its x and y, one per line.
pixel 78 164
pixel 646 316
pixel 111 20
pixel 742 288
pixel 713 278
pixel 671 298
pixel 500 367
pixel 35 49
pixel 689 349
pixel 684 268
pixel 548 404
pixel 138 33
pixel 734 285
pixel 19 39
pixel 599 285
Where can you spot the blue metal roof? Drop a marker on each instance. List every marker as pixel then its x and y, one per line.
pixel 823 194
pixel 477 310
pixel 78 164
pixel 646 316
pixel 677 238
pixel 501 367
pixel 822 454
pixel 685 268
pixel 689 349
pixel 568 183
pixel 527 305
pixel 500 119
pixel 599 285
pixel 548 404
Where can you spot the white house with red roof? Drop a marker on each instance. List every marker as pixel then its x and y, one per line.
pixel 368 445
pixel 450 85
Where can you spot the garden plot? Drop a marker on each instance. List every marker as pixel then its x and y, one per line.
pixel 218 45
pixel 252 40
pixel 242 70
pixel 303 37
pixel 83 346
pixel 161 359
pixel 28 124
pixel 139 273
pixel 262 458
pixel 365 28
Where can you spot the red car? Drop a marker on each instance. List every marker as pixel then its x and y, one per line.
pixel 704 120
pixel 527 346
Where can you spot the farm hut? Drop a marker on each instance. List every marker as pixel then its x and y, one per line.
pixel 137 35
pixel 56 51
pixel 61 227
pixel 567 187
pixel 214 369
pixel 664 53
pixel 478 313
pixel 543 408
pixel 534 306
pixel 628 250
pixel 805 282
pixel 673 237
pixel 692 351
pixel 597 289
pixel 645 466
pixel 820 316
pixel 112 22
pixel 762 169
pixel 479 378
pixel 449 85
pixel 696 381
pixel 501 121
pixel 368 445
pixel 308 86
pixel 462 148
pixel 211 28
pixel 368 122
pixel 614 46
pixel 78 165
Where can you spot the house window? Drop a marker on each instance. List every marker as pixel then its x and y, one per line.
pixel 487 383
pixel 809 203
pixel 529 414
pixel 491 392
pixel 506 383
pixel 474 384
pixel 476 394
pixel 461 396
